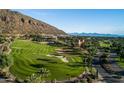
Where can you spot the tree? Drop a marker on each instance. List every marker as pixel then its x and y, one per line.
pixel 84 59
pixel 88 59
pixel 2 39
pixel 4 60
pixel 121 54
pixel 104 58
pixel 92 50
pixel 72 44
pixel 38 76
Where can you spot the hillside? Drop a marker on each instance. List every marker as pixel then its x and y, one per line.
pixel 12 22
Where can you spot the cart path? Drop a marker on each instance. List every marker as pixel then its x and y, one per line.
pixel 105 76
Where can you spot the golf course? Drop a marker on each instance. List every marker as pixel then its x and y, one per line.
pixel 31 56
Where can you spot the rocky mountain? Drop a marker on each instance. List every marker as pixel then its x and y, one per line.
pixel 12 22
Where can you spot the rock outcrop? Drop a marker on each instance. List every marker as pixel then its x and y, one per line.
pixel 12 22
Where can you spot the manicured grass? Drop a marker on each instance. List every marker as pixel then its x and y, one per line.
pixel 120 63
pixel 103 44
pixel 30 56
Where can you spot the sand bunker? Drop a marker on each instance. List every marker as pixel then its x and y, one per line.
pixel 64 59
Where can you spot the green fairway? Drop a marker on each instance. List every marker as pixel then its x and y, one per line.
pixel 30 56
pixel 120 63
pixel 103 44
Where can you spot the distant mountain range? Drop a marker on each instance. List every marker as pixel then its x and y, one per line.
pixel 96 34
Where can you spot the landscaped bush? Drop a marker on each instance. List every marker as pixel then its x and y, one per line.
pixel 108 68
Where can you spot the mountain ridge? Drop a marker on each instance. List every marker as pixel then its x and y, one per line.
pixel 95 34
pixel 13 22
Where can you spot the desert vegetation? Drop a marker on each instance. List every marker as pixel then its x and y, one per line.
pixel 56 59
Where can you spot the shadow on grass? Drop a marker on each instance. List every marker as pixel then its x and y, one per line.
pixel 38 65
pixel 71 51
pixel 76 64
pixel 42 59
pixel 46 60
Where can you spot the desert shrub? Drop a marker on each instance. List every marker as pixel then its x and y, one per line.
pixel 5 60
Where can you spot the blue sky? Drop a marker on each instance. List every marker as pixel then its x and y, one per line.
pixel 81 20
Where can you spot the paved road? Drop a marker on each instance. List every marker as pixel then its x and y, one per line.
pixel 2 80
pixel 105 76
